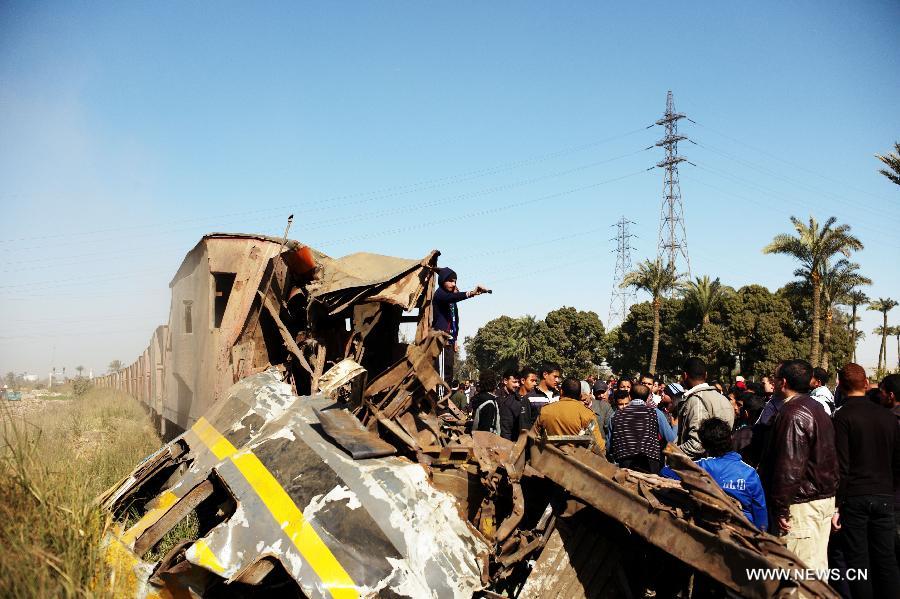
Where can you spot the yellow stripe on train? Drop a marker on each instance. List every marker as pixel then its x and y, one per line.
pixel 283 509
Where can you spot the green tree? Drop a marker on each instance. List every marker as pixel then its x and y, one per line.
pixel 763 329
pixel 489 347
pixel 812 246
pixel 704 296
pixel 525 333
pixel 11 379
pixel 115 366
pixel 80 369
pixel 883 305
pixel 855 299
pixel 892 161
pixel 573 338
pixel 628 342
pixel 657 280
pixel 838 282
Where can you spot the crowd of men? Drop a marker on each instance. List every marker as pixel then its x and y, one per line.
pixel 820 468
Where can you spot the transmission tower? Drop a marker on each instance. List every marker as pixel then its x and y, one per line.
pixel 672 236
pixel 621 299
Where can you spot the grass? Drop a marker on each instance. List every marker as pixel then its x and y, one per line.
pixel 53 464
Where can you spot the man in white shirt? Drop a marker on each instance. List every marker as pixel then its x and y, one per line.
pixel 546 392
pixel 820 391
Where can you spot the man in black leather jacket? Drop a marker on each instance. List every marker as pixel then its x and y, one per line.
pixel 800 469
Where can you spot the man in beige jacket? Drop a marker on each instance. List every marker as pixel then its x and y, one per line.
pixel 701 401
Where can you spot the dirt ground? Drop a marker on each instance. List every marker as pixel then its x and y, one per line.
pixel 33 403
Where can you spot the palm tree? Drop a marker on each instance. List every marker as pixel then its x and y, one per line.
pixel 838 281
pixel 895 331
pixel 812 246
pixel 892 161
pixel 521 339
pixel 80 369
pixel 657 280
pixel 882 332
pixel 883 305
pixel 704 295
pixel 854 299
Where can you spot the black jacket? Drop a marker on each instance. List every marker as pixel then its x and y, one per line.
pixel 800 462
pixel 868 448
pixel 446 316
pixel 515 415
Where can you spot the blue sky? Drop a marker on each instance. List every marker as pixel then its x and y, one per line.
pixel 508 135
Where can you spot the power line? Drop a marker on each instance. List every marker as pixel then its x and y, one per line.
pixel 818 191
pixel 775 195
pixel 485 211
pixel 793 164
pixel 380 194
pixel 407 208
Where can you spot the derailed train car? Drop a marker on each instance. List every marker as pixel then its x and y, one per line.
pixel 313 451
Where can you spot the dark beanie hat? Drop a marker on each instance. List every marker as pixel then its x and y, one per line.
pixel 445 274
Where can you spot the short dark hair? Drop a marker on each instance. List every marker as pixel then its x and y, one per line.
pixel 620 381
pixel 821 375
pixel 648 376
pixel 695 368
pixel 715 436
pixel 891 384
pixel 621 394
pixel 526 371
pixel 454 383
pixel 549 367
pixel 797 375
pixel 640 391
pixel 487 380
pixel 570 388
pixel 509 372
pixel 752 404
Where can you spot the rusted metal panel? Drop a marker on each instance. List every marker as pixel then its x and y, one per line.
pixel 724 552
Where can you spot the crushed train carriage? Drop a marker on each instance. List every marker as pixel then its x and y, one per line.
pixel 313 450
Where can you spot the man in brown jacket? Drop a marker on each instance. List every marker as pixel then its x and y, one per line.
pixel 799 468
pixel 569 416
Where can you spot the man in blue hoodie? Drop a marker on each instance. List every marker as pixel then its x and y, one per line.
pixel 446 315
pixel 724 465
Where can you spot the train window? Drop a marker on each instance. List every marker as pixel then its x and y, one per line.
pixel 188 317
pixel 222 284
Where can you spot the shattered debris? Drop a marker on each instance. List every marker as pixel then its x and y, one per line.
pixel 321 459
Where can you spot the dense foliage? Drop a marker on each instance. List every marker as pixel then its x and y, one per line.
pixel 748 331
pixel 574 339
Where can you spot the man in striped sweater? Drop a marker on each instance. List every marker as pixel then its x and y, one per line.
pixel 635 442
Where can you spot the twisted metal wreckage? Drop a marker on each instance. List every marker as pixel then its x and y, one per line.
pixel 317 455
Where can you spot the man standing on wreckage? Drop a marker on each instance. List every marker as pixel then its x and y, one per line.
pixel 446 316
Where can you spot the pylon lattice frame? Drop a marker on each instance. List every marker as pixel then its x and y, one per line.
pixel 672 234
pixel 620 300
